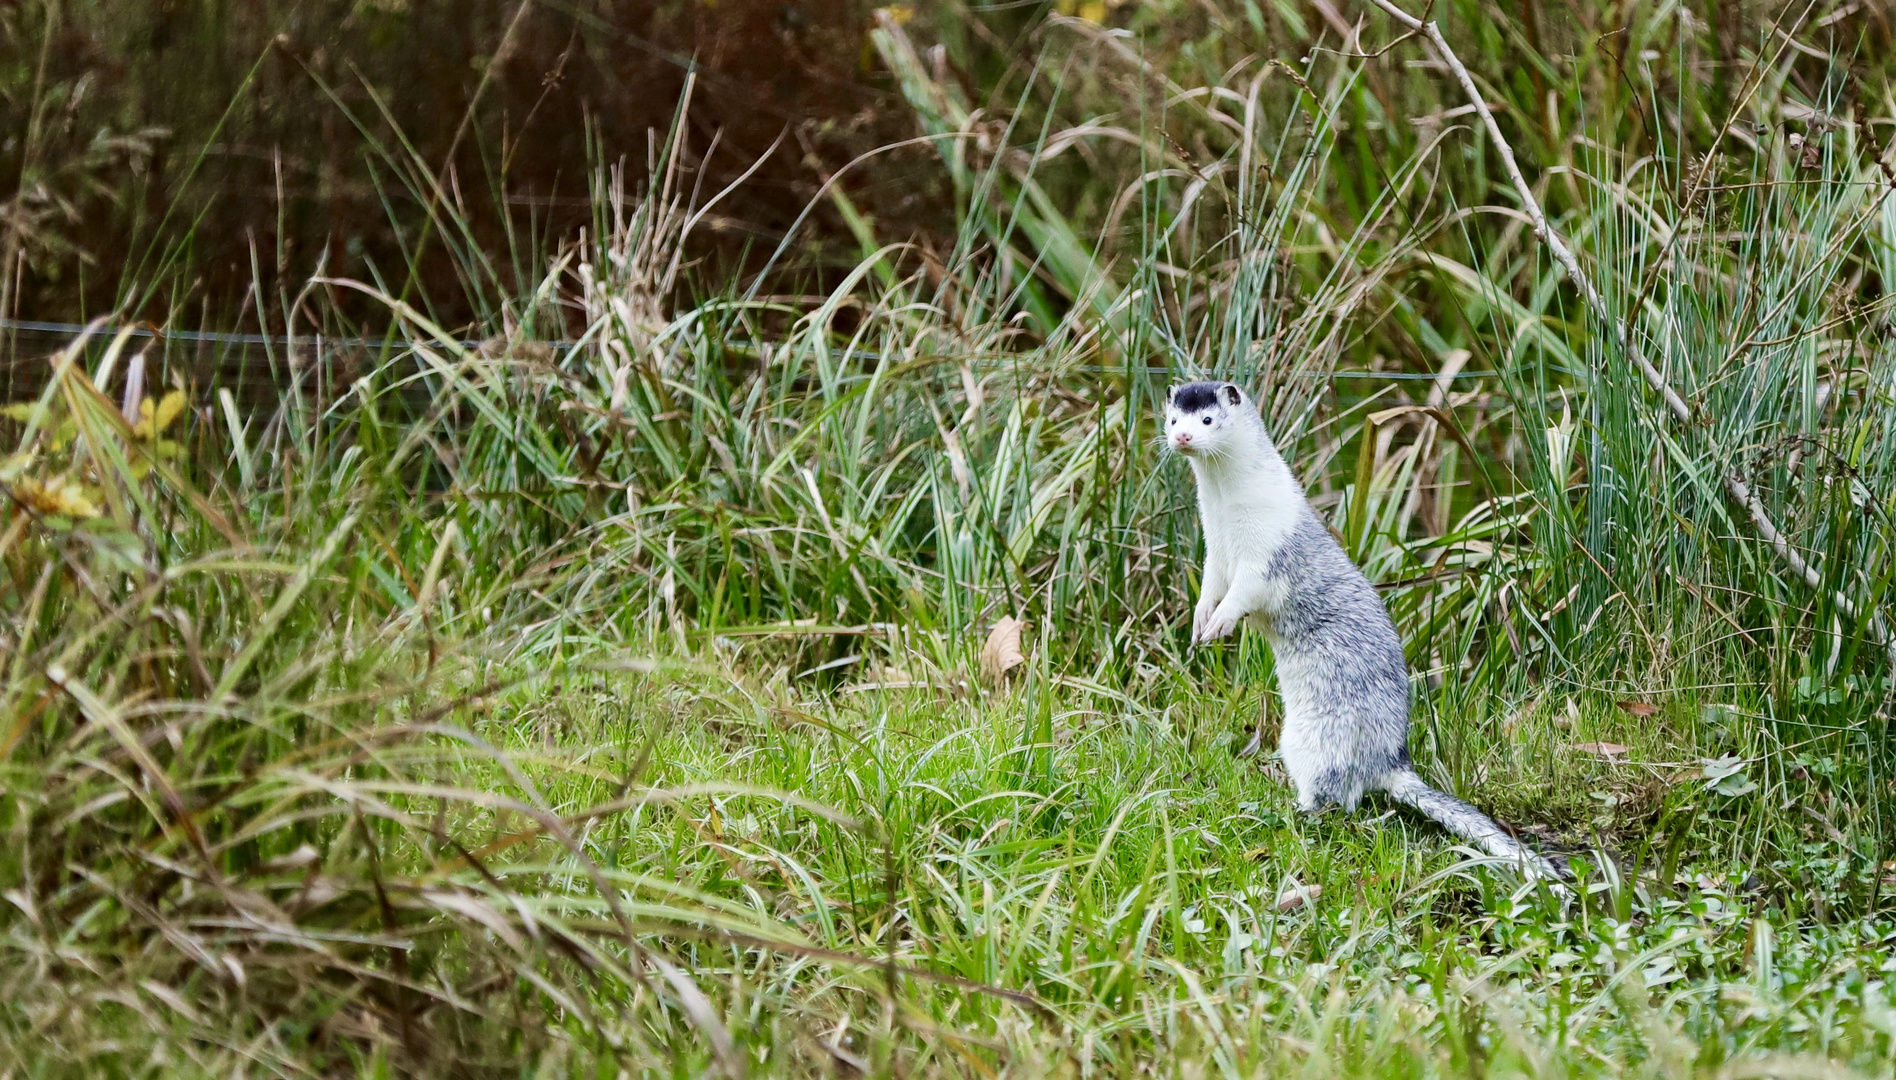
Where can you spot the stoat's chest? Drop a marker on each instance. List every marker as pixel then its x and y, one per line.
pixel 1249 523
pixel 1247 534
pixel 1246 527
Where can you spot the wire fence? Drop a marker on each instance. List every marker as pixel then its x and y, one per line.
pixel 288 344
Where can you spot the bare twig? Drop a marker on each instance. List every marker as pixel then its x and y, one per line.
pixel 1735 485
pixel 1414 29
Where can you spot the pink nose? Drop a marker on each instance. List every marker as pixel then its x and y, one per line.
pixel 1184 438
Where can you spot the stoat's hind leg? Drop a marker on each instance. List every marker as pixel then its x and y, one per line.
pixel 1318 781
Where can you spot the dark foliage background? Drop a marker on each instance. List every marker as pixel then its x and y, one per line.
pixel 269 125
pixel 212 145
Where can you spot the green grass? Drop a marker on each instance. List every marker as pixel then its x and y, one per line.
pixel 1127 874
pixel 1105 901
pixel 622 708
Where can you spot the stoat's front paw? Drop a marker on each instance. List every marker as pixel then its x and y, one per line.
pixel 1217 625
pixel 1200 616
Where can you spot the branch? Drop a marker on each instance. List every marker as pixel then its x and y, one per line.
pixel 1735 485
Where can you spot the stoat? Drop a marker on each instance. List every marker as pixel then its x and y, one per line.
pixel 1340 666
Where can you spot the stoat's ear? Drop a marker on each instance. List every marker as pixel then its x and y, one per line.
pixel 1232 394
pixel 1171 392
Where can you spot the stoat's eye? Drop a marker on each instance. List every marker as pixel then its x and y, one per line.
pixel 1207 421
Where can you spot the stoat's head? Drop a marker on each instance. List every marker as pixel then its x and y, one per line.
pixel 1207 419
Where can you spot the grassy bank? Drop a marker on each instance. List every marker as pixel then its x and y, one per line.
pixel 609 686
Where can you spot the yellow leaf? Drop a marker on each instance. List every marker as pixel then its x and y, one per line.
pixel 168 410
pixel 56 496
pixel 1094 12
pixel 16 464
pixel 153 419
pixel 900 13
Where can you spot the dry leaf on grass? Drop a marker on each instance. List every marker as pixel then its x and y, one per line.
pixel 1638 708
pixel 1513 723
pixel 1001 654
pixel 888 677
pixel 1602 749
pixel 1297 896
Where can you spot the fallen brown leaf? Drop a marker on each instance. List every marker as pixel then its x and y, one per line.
pixel 1293 898
pixel 1001 653
pixel 1638 708
pixel 1602 749
pixel 1513 722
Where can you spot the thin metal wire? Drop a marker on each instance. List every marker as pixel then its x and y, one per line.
pixel 211 337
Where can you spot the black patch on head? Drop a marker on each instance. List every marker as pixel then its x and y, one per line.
pixel 1195 397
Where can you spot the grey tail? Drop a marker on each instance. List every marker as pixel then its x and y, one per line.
pixel 1465 821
